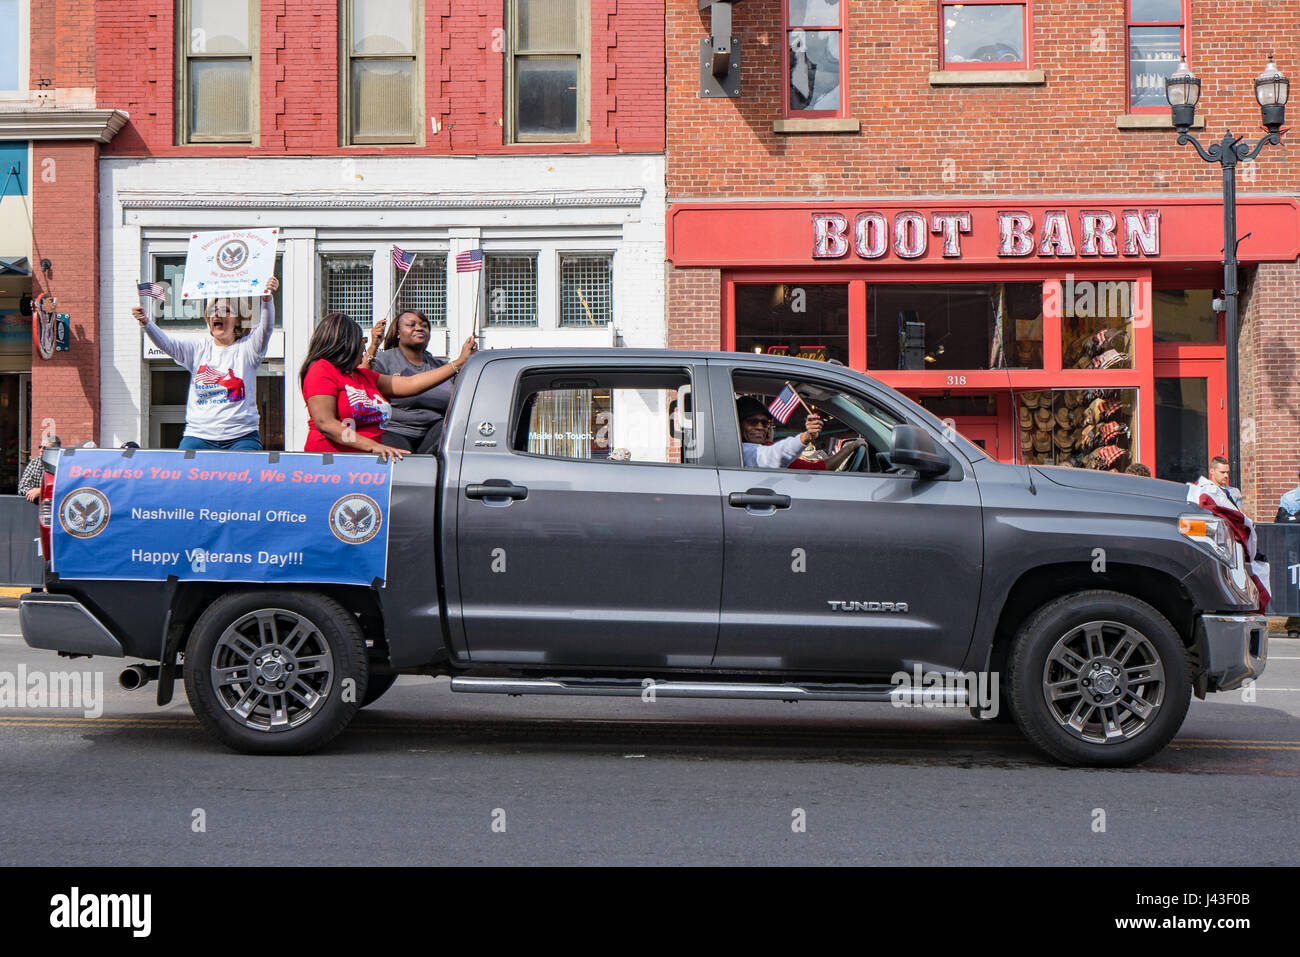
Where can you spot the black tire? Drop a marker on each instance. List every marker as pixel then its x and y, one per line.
pixel 1093 715
pixel 376 687
pixel 314 648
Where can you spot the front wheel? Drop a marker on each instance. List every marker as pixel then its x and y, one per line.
pixel 1099 678
pixel 275 672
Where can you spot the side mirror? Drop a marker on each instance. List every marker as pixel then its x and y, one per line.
pixel 913 447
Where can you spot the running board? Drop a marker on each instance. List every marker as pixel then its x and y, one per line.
pixel 632 688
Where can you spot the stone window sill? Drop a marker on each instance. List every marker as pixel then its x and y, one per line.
pixel 1153 121
pixel 818 124
pixel 987 78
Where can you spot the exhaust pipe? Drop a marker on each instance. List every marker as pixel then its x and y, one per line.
pixel 137 676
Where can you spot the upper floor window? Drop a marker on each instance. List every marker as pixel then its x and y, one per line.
pixel 814 34
pixel 11 46
pixel 382 71
pixel 985 35
pixel 546 71
pixel 1155 45
pixel 217 69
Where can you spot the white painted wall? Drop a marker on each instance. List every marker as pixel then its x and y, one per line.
pixel 365 205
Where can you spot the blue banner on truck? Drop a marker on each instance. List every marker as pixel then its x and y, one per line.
pixel 220 516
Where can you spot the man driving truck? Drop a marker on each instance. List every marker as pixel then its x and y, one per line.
pixel 757 449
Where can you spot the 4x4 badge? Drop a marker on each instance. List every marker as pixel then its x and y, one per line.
pixel 486 428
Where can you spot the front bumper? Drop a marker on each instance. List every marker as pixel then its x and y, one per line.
pixel 61 623
pixel 1230 649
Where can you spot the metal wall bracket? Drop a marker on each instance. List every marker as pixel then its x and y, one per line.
pixel 726 84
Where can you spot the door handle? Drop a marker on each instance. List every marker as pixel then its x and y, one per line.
pixel 496 489
pixel 758 498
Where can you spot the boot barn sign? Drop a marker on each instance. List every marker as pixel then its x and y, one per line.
pixel 873 235
pixel 1131 232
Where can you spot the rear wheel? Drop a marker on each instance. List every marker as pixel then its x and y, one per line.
pixel 1099 678
pixel 275 672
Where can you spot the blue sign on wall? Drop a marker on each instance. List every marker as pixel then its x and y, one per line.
pixel 220 516
pixel 13 155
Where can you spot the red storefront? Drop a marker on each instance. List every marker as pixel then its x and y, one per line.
pixel 1082 334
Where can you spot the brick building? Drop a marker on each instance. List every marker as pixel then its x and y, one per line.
pixel 51 133
pixel 531 129
pixel 984 205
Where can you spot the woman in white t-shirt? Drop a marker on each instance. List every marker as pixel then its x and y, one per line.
pixel 221 412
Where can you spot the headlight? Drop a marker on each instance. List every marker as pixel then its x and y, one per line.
pixel 1212 533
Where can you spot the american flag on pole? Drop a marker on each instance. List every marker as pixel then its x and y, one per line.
pixel 152 290
pixel 784 404
pixel 402 259
pixel 471 260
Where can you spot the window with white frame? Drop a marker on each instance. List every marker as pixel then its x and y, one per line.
pixel 586 290
pixel 546 70
pixel 348 285
pixel 382 71
pixel 510 288
pixel 11 46
pixel 177 313
pixel 424 287
pixel 217 71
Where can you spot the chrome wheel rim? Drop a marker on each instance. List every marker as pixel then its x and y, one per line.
pixel 272 670
pixel 1103 682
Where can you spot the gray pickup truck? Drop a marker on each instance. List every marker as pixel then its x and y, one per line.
pixel 590 527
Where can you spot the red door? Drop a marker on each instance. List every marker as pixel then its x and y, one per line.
pixel 1191 417
pixel 984 432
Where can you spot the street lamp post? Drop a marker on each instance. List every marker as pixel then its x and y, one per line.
pixel 1183 90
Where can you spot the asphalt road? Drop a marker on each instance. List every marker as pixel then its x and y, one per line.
pixel 429 777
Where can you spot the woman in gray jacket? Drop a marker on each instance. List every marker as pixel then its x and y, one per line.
pixel 416 422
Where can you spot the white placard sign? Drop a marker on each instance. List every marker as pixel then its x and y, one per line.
pixel 237 262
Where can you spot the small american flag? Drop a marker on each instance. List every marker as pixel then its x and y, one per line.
pixel 207 375
pixel 152 290
pixel 784 404
pixel 471 260
pixel 402 259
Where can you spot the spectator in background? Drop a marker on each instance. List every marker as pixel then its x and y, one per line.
pixel 30 484
pixel 1288 512
pixel 1137 468
pixel 416 422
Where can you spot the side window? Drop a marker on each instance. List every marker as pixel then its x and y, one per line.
pixel 779 427
pixel 607 416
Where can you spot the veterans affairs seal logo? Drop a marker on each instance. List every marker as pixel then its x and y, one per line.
pixel 232 255
pixel 84 512
pixel 355 519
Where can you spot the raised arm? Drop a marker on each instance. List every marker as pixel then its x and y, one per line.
pixel 182 351
pixel 260 337
pixel 401 386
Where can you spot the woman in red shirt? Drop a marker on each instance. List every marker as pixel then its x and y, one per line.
pixel 348 405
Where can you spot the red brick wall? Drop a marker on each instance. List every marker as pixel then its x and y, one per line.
pixel 463 78
pixel 1057 137
pixel 63 43
pixel 694 305
pixel 65 388
pixel 1270 389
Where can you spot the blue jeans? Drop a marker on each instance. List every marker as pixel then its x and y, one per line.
pixel 252 442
